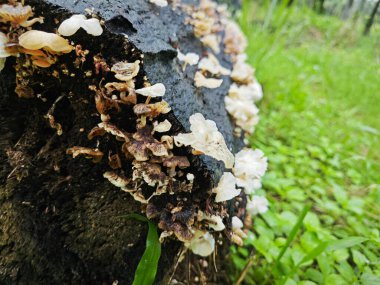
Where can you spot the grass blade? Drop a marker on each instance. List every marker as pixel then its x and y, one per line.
pixel 147 267
pixel 293 233
pixel 346 242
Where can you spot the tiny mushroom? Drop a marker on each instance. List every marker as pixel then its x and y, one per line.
pixel 205 138
pixel 35 40
pixel 250 92
pixel 242 73
pixel 203 243
pixel 3 41
pixel 126 71
pixel 115 179
pixel 189 58
pixel 156 90
pixel 152 110
pixel 250 166
pixel 95 154
pixel 212 41
pixel 212 65
pixel 234 39
pixel 257 205
pixel 70 26
pixel 214 222
pixel 202 81
pixel 160 3
pixel 245 113
pixel 226 189
pixel 162 127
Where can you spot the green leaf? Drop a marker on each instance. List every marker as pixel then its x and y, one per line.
pixel 314 253
pixel 345 243
pixel 370 279
pixel 335 279
pixel 147 267
pixel 293 233
pixel 359 258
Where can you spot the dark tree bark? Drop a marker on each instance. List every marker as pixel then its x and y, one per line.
pixel 60 219
pixel 371 19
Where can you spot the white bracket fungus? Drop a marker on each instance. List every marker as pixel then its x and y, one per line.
pixel 162 127
pixel 212 41
pixel 156 90
pixel 212 65
pixel 35 40
pixel 160 3
pixel 202 243
pixel 206 138
pixel 126 71
pixel 71 25
pixel 250 166
pixel 189 58
pixel 226 189
pixel 257 205
pixel 202 81
pixel 252 92
pixel 244 112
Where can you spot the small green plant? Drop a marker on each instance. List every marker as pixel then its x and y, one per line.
pixel 147 268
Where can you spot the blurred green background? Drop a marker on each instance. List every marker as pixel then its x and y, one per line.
pixel 320 129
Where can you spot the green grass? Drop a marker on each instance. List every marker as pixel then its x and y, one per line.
pixel 320 128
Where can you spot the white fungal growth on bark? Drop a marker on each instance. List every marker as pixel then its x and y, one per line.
pixel 226 189
pixel 160 3
pixel 206 138
pixel 188 58
pixel 212 65
pixel 156 90
pixel 71 25
pixel 250 166
pixel 202 81
pixel 203 243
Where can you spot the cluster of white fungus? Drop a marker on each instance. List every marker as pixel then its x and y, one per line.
pixel 249 165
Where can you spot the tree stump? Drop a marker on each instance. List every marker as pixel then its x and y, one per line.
pixel 61 221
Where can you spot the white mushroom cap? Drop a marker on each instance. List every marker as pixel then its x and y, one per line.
pixel 71 25
pixel 156 90
pixel 245 113
pixel 212 41
pixel 35 40
pixel 215 222
pixel 189 58
pixel 160 3
pixel 206 138
pixel 202 244
pixel 212 65
pixel 3 41
pixel 162 127
pixel 202 81
pixel 226 189
pixel 257 205
pixel 249 93
pixel 242 73
pixel 250 166
pixel 236 223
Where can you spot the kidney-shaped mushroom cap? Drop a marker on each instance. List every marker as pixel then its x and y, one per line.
pixel 71 25
pixel 35 40
pixel 156 90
